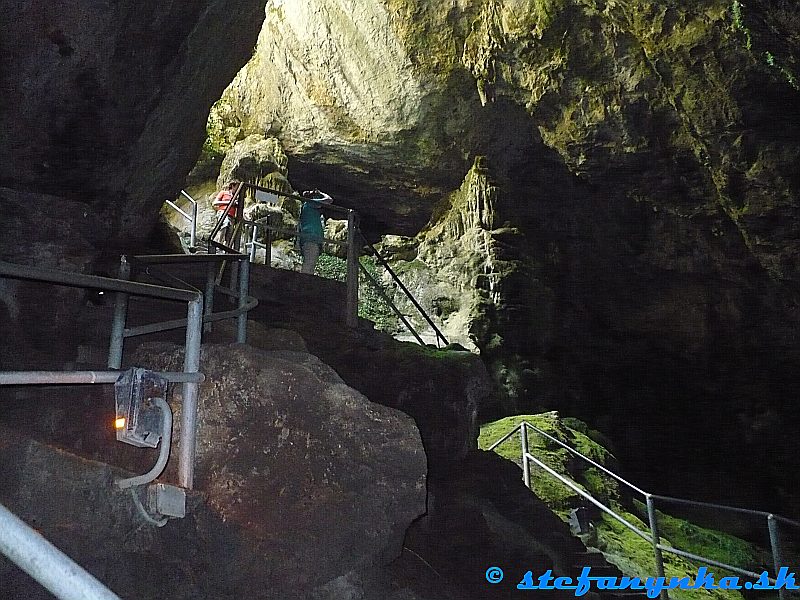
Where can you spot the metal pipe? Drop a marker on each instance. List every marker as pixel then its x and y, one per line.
pixel 351 317
pixel 117 341
pixel 267 247
pixel 234 281
pixel 293 232
pixel 236 240
pixel 40 559
pixel 589 497
pixel 163 453
pixel 166 259
pixel 193 229
pixel 183 213
pixel 191 364
pixel 93 282
pixel 385 265
pixel 250 304
pixel 746 511
pixel 777 553
pixel 244 289
pixel 211 284
pixel 331 207
pixel 713 563
pixel 504 438
pixel 253 234
pixel 82 377
pixel 391 304
pixel 526 466
pixel 659 558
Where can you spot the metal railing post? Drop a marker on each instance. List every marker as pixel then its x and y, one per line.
pixel 193 229
pixel 777 553
pixel 659 558
pixel 244 290
pixel 653 536
pixel 267 246
pixel 352 271
pixel 526 465
pixel 236 238
pixel 117 341
pixel 234 281
pixel 191 364
pixel 211 282
pixel 253 236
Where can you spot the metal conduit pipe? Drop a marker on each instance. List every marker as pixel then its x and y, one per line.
pixel 83 377
pixel 163 453
pixel 191 364
pixel 40 559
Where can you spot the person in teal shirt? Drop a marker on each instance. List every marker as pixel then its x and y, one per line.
pixel 311 228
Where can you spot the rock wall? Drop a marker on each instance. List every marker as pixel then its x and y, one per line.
pixel 110 102
pixel 643 158
pixel 105 113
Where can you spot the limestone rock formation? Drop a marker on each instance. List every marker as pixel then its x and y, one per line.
pixel 644 159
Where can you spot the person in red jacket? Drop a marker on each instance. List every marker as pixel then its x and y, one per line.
pixel 223 204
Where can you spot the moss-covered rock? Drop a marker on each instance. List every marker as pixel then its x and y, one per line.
pixel 632 554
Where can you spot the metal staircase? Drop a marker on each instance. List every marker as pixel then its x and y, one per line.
pixel 245 234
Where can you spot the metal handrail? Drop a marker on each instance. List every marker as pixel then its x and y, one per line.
pixel 224 212
pixel 654 537
pixel 351 304
pixel 192 218
pixel 404 289
pixel 246 302
pixel 748 511
pixel 587 459
pixel 84 377
pixel 353 268
pixel 391 304
pixel 48 565
pixel 93 282
pixel 124 287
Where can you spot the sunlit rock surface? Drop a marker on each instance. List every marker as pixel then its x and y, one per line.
pixel 644 164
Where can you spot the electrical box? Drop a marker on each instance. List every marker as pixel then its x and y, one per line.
pixel 138 419
pixel 166 500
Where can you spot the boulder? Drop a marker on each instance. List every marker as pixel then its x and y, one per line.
pixel 314 479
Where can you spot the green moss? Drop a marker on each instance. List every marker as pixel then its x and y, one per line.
pixel 331 267
pixel 557 495
pixel 222 131
pixel 632 554
pixel 370 304
pixel 738 20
